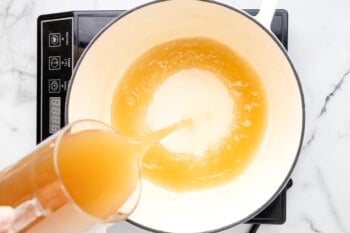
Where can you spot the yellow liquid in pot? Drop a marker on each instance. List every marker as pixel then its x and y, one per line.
pixel 223 160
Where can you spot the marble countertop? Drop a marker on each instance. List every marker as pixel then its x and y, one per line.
pixel 319 46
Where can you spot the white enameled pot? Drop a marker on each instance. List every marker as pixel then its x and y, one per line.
pixel 113 50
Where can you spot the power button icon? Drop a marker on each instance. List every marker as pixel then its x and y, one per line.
pixel 54 39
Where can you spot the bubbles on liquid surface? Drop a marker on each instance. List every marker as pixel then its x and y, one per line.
pixel 131 98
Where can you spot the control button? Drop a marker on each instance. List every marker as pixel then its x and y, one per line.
pixel 54 86
pixel 54 63
pixel 54 39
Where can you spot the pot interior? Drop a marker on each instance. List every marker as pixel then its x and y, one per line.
pixel 130 36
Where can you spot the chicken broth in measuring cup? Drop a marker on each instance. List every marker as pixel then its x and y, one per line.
pixel 200 79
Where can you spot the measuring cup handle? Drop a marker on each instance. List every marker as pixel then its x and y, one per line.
pixel 26 213
pixel 266 13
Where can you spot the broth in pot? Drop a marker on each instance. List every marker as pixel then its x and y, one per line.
pixel 201 79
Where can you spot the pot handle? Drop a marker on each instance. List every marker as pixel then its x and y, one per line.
pixel 266 12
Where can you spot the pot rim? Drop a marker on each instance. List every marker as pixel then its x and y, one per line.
pixel 297 79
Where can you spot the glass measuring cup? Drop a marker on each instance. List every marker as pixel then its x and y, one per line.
pixel 83 176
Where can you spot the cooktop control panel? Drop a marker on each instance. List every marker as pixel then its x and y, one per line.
pixel 56 66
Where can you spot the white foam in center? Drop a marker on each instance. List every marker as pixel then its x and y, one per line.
pixel 196 94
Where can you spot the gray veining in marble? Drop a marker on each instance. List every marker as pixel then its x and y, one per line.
pixel 336 88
